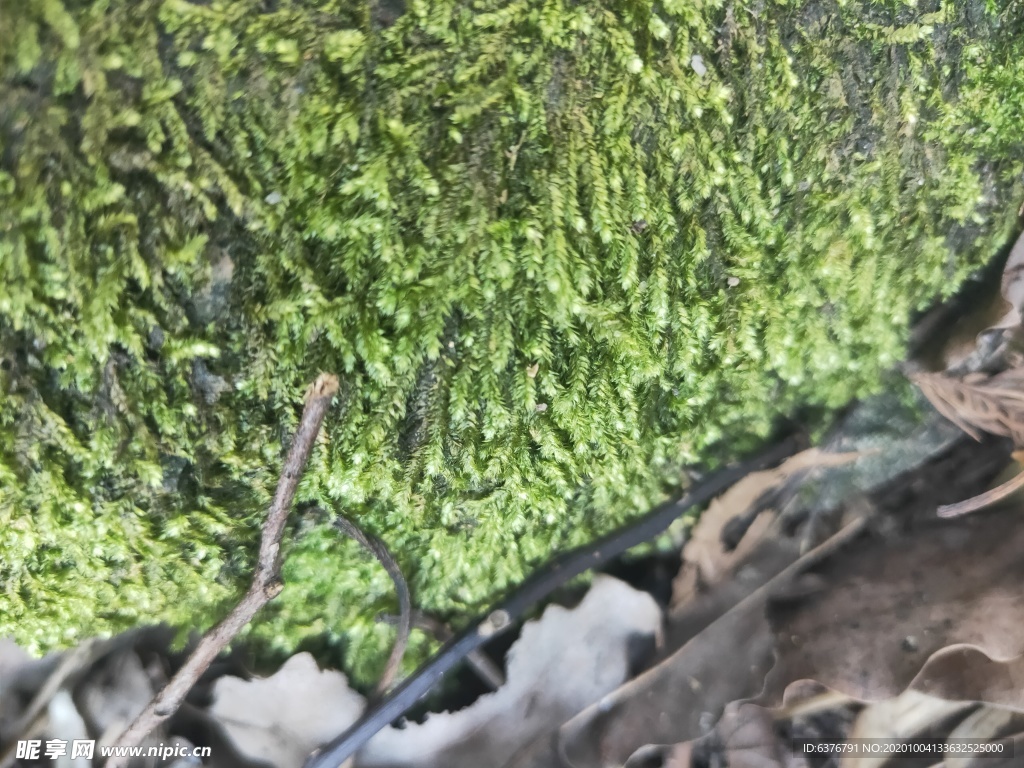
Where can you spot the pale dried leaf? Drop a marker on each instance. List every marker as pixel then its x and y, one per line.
pixel 561 663
pixel 986 670
pixel 13 662
pixel 909 714
pixel 12 657
pixel 705 560
pixel 282 718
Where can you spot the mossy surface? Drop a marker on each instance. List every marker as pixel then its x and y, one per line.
pixel 554 250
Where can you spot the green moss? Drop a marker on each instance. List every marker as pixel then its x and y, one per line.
pixel 515 229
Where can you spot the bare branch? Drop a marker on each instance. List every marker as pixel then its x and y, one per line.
pixel 266 582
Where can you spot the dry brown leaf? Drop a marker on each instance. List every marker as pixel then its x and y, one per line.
pixel 672 701
pixel 668 703
pixel 691 618
pixel 705 559
pixel 983 331
pixel 888 609
pixel 994 404
pixel 748 737
pixel 745 737
pixel 980 671
pixel 930 612
pixel 909 714
pixel 984 723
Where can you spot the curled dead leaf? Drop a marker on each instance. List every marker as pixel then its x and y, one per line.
pixel 909 714
pixel 994 404
pixel 706 560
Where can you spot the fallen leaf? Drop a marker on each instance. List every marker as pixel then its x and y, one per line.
pixel 909 714
pixel 745 737
pixel 984 723
pixel 705 558
pixel 282 718
pixel 748 737
pixel 994 404
pixel 15 664
pixel 678 699
pixel 981 670
pixel 889 607
pixel 561 663
pixel 686 621
pixel 868 620
pixel 12 657
pixel 682 697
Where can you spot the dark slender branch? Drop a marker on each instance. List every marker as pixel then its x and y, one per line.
pixel 538 586
pixel 404 623
pixel 266 581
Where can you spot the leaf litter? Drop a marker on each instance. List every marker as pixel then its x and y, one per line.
pixel 561 663
pixel 707 559
pixel 978 400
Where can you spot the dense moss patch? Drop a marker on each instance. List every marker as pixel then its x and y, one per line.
pixel 554 249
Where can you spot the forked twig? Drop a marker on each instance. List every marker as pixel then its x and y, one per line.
pixel 266 582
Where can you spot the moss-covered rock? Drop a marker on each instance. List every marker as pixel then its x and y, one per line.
pixel 554 249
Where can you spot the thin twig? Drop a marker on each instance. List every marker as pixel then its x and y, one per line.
pixel 539 585
pixel 404 623
pixel 266 582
